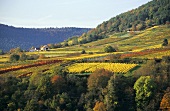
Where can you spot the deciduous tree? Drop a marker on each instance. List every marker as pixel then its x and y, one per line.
pixel 145 88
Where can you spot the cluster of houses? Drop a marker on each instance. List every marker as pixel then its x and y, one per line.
pixel 43 48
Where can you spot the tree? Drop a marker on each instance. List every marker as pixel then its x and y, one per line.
pixel 99 106
pixel 96 83
pixel 119 94
pixel 165 42
pixel 32 105
pixel 11 106
pixel 75 41
pixel 58 84
pixel 59 70
pixel 44 87
pixel 23 57
pixel 145 88
pixel 99 79
pixel 59 102
pixel 165 103
pixel 109 49
pixel 14 57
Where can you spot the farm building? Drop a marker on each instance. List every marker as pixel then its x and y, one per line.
pixel 45 48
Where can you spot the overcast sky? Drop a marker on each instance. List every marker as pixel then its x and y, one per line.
pixel 62 13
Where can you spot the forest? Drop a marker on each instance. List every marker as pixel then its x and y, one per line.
pixel 147 89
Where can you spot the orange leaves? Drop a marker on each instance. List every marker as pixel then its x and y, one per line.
pixel 165 103
pixel 56 79
pixel 99 106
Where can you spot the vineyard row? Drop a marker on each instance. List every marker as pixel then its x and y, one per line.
pixel 91 67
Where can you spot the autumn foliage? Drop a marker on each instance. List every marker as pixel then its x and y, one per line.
pixel 58 83
pixel 99 79
pixel 165 103
pixel 99 106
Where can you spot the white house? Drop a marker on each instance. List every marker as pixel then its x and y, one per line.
pixel 45 48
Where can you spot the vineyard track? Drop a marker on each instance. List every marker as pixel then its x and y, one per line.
pixel 40 63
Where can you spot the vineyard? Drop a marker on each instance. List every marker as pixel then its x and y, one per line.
pixel 145 52
pixel 19 67
pixel 91 67
pixel 156 55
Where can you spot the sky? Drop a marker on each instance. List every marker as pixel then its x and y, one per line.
pixel 62 13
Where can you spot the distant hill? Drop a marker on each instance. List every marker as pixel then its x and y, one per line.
pixel 25 38
pixel 155 12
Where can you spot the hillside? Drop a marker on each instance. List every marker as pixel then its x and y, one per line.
pixel 25 38
pixel 156 12
pixel 74 81
pixel 127 41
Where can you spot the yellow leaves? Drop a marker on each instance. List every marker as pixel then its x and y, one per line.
pixel 91 67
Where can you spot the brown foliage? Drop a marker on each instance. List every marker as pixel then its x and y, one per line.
pixel 58 83
pixel 56 79
pixel 99 79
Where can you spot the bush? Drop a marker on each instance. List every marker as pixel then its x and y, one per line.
pixel 109 49
pixel 83 52
pixel 14 57
pixel 165 42
pixel 23 57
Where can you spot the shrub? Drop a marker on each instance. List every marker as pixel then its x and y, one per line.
pixel 14 57
pixel 109 49
pixel 165 42
pixel 23 57
pixel 83 52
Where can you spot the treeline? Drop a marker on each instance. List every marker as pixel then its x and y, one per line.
pixel 156 12
pixel 25 38
pixel 147 89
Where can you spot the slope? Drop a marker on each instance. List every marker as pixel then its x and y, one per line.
pixel 127 41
